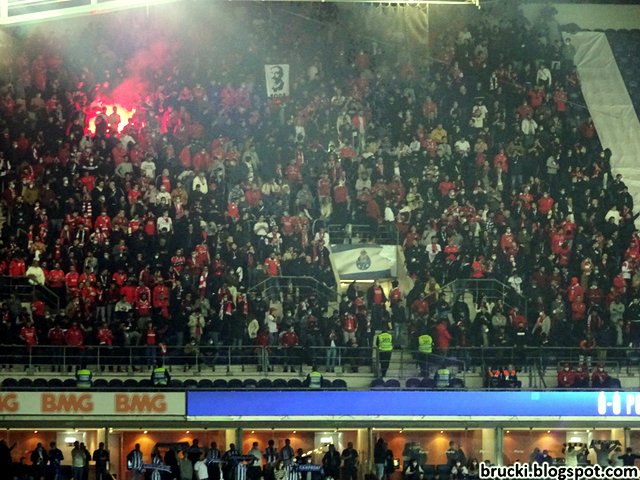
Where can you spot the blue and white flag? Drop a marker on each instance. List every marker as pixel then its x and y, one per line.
pixel 364 261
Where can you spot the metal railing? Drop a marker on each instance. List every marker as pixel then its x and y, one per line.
pixel 222 359
pixel 407 364
pixel 545 357
pixel 384 234
pixel 275 360
pixel 27 292
pixel 491 289
pixel 300 287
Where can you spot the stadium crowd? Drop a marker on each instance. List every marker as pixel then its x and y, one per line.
pixel 483 156
pixel 184 461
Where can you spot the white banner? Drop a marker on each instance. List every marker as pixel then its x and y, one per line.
pixel 91 403
pixel 364 262
pixel 610 106
pixel 277 80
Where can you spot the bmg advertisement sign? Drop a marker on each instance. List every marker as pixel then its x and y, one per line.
pixel 92 403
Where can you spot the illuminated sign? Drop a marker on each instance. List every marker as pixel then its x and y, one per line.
pixel 619 404
pixel 414 404
pixel 128 403
pixel 9 403
pixel 92 403
pixel 66 403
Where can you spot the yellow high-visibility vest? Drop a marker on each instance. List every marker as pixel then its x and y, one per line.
pixel 443 378
pixel 315 380
pixel 385 342
pixel 425 344
pixel 159 376
pixel 83 378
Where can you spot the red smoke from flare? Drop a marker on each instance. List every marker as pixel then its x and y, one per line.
pixel 146 63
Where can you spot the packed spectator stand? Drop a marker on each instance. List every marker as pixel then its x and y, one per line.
pixel 156 234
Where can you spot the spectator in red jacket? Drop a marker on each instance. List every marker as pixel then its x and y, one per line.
pixel 56 338
pixel 17 267
pixel 289 341
pixel 72 282
pixel 349 327
pixel 578 310
pixel 105 338
pixel 103 222
pixel 129 292
pixel 574 290
pixel 29 335
pixel 600 378
pixel 516 318
pixel 104 335
pixel 272 269
pixel 161 299
pixel 566 377
pixel 545 204
pixel 151 344
pixel 376 299
pixel 443 337
pixel 56 280
pixel 581 377
pixel 420 306
pixel 74 338
pixel 56 335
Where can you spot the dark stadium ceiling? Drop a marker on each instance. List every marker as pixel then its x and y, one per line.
pixel 16 12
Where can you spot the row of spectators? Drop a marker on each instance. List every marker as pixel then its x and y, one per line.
pixel 483 157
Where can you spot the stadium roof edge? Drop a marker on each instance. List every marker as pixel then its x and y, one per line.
pixel 10 10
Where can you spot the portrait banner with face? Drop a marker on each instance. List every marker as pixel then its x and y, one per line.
pixel 277 80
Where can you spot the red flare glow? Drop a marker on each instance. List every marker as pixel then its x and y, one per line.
pixel 125 115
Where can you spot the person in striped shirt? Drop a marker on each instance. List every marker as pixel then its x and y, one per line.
pixel 230 459
pixel 213 461
pixel 134 464
pixel 271 458
pixel 156 459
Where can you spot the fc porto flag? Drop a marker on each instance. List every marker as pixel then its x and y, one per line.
pixel 364 261
pixel 277 80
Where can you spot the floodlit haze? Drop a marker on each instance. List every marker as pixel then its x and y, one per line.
pixel 122 52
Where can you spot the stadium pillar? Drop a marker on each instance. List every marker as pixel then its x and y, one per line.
pixel 627 438
pixel 488 443
pixel 230 437
pixel 498 447
pixel 238 439
pixel 364 445
pixel 618 434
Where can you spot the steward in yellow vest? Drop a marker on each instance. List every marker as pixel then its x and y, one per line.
pixel 425 348
pixel 84 378
pixel 384 342
pixel 160 377
pixel 314 379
